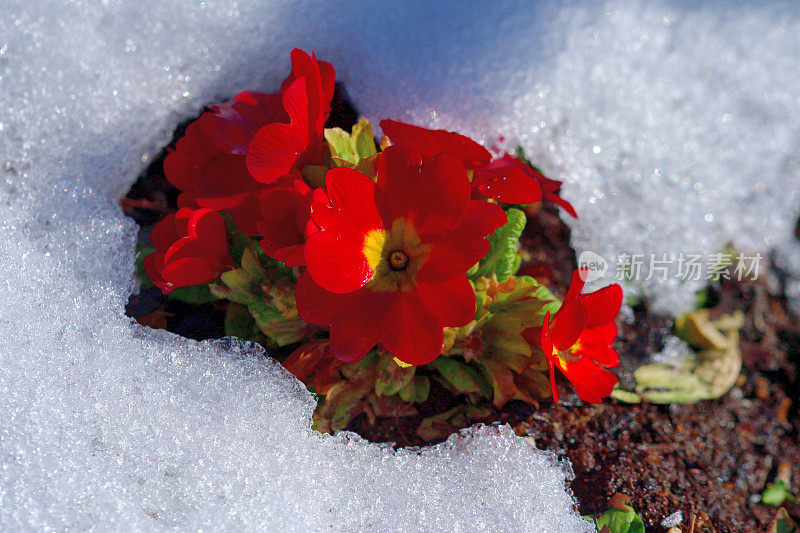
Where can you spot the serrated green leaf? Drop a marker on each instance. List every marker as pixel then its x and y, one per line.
pixel 392 377
pixel 237 280
pixel 363 139
pixel 620 521
pixel 347 149
pixel 529 296
pixel 263 312
pixel 252 266
pixel 340 145
pixel 274 325
pixel 461 376
pixel 194 295
pixel 416 390
pixel 502 259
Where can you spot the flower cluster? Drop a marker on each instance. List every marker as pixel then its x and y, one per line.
pixel 389 267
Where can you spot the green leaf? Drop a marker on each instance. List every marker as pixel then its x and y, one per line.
pixel 240 323
pixel 461 376
pixel 363 139
pixel 141 253
pixel 195 295
pixel 351 147
pixel 340 145
pixel 503 258
pixel 416 390
pixel 776 493
pixel 252 265
pixel 237 279
pixel 392 377
pixel 274 325
pixel 620 521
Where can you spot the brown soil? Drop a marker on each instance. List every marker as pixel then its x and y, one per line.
pixel 710 460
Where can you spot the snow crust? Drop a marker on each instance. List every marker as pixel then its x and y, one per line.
pixel 676 128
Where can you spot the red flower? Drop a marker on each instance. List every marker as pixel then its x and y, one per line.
pixel 504 173
pixel 191 249
pixel 579 340
pixel 209 162
pixel 506 180
pixel 277 148
pixel 434 142
pixel 389 260
pixel 286 222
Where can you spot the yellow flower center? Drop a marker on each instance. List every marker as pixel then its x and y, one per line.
pixel 565 357
pixel 395 256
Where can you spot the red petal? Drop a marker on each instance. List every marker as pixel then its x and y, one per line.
pixel 318 306
pixel 414 335
pixel 556 199
pixel 471 154
pixel 603 305
pixel 400 132
pixel 600 336
pixel 274 150
pixel 292 256
pixel 457 251
pixel 547 348
pixel 259 109
pixel 591 382
pixel 576 285
pixel 153 264
pixel 354 195
pixel 190 154
pixel 568 324
pixel 306 68
pixel 209 227
pixel 225 129
pixel 440 196
pixel 398 167
pixel 328 81
pixel 335 255
pixel 435 142
pixel 275 147
pixel 187 199
pixel 434 199
pixel 248 215
pixel 596 344
pixel 224 182
pixel 189 271
pixel 165 233
pixel 357 331
pixel 452 302
pixel 508 185
pixel 279 223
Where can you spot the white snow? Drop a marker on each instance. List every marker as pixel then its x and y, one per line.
pixel 675 127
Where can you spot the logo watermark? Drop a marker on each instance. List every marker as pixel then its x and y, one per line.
pixel 596 266
pixel 683 266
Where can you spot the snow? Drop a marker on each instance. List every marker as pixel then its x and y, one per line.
pixel 674 126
